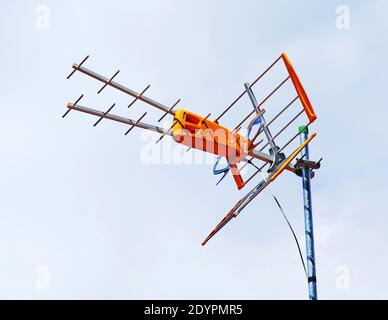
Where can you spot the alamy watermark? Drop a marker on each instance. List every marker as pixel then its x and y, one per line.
pixel 229 145
pixel 342 21
pixel 43 277
pixel 343 277
pixel 42 19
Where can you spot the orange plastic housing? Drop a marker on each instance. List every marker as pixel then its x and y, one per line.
pixel 200 133
pixel 299 89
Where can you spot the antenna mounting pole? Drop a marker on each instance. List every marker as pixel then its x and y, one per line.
pixel 308 219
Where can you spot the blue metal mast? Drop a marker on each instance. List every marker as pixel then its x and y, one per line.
pixel 308 219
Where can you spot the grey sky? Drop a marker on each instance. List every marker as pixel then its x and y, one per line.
pixel 80 201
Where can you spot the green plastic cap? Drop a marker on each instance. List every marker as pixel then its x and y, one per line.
pixel 303 129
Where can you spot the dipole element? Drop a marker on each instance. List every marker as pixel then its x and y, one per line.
pixel 308 219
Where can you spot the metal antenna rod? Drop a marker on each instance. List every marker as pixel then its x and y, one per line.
pixel 308 219
pixel 284 128
pixel 257 110
pixel 122 88
pixel 264 101
pixel 113 117
pixel 242 94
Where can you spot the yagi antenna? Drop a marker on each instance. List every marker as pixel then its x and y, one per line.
pixel 189 129
pixel 264 148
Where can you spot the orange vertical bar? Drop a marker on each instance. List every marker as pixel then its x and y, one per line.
pixel 237 176
pixel 308 108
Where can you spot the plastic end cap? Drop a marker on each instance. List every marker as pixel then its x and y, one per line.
pixel 303 129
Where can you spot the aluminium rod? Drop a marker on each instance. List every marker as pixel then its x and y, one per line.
pixel 284 109
pixel 284 128
pixel 265 99
pixel 268 125
pixel 124 89
pixel 254 82
pixel 256 108
pixel 118 119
